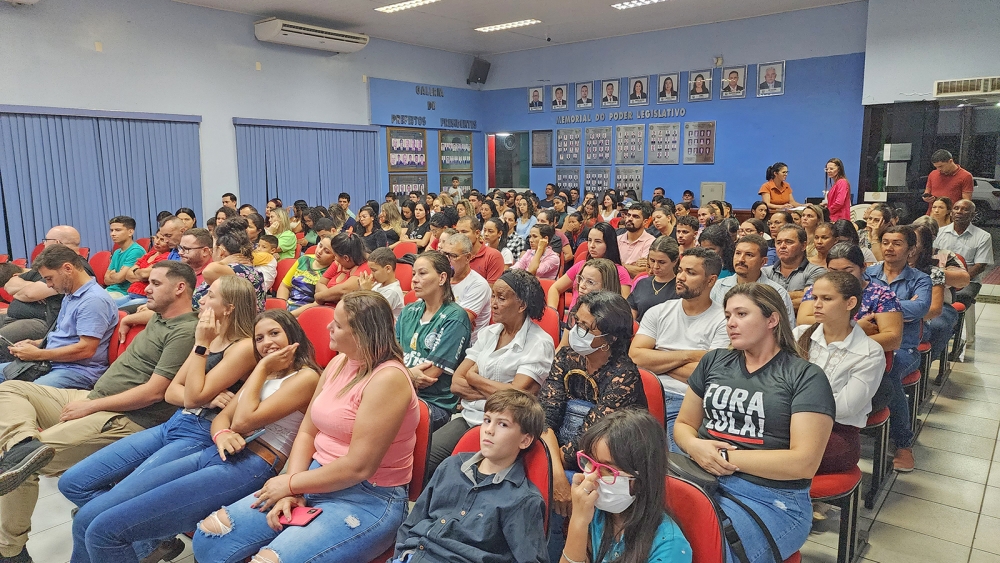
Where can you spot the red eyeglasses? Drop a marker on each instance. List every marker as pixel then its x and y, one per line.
pixel 606 473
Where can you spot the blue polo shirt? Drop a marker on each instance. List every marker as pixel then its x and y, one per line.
pixel 909 283
pixel 88 311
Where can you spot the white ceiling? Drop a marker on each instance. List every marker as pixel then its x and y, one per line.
pixel 449 24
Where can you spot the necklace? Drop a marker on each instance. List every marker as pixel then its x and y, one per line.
pixel 652 283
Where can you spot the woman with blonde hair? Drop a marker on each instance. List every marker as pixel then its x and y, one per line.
pixel 811 216
pixel 392 223
pixel 281 227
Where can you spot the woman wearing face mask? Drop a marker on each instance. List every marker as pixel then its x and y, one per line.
pixel 598 274
pixel 619 495
pixel 590 378
pixel 601 243
pixel 659 285
pixel 757 464
pixel 853 362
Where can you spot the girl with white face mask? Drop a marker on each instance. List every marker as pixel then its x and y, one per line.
pixel 620 494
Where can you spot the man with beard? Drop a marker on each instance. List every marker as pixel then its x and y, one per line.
pixel 793 271
pixel 635 241
pixel 673 336
pixel 748 260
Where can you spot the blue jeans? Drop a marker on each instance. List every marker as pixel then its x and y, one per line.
pixel 939 330
pixel 355 523
pixel 130 299
pixel 96 476
pixel 787 513
pixel 904 362
pixel 673 404
pixel 62 378
pixel 439 416
pixel 164 501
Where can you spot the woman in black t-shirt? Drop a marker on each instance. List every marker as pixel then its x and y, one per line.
pixel 659 286
pixel 758 416
pixel 371 233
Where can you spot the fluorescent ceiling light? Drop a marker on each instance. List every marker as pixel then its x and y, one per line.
pixel 634 4
pixel 510 25
pixel 404 5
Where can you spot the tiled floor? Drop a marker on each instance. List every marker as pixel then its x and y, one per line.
pixel 947 510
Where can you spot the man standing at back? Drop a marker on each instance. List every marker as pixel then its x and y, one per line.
pixel 674 335
pixel 971 243
pixel 947 180
pixel 229 200
pixel 77 346
pixel 45 431
pixel 488 262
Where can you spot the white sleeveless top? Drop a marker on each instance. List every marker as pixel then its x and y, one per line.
pixel 280 434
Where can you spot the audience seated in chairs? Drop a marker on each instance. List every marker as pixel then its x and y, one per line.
pixel 793 270
pixel 351 259
pixel 513 352
pixel 756 464
pixel 233 256
pixel 491 483
pixel 597 274
pixel 299 285
pixel 601 243
pixel 659 286
pixel 947 275
pixel 127 399
pixel 104 482
pixel 472 291
pixel 138 275
pixel 127 253
pixel 352 457
pixel 382 279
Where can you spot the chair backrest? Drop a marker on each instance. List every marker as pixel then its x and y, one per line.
pixel 275 303
pixel 581 253
pixel 614 221
pixel 888 361
pixel 4 258
pixel 282 268
pixel 410 297
pixel 404 273
pixel 6 297
pixel 83 251
pixel 653 390
pixel 537 465
pixel 694 512
pixel 37 250
pixel 404 248
pixel 143 242
pixel 113 347
pixel 132 333
pixel 550 323
pixel 99 263
pixel 421 452
pixel 314 322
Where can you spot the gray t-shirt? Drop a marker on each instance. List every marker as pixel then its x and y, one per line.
pixel 754 410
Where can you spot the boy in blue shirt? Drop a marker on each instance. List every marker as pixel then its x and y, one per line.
pixel 481 508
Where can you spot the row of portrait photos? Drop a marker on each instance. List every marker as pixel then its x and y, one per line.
pixel 770 82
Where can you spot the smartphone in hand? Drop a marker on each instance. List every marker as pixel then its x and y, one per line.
pixel 301 515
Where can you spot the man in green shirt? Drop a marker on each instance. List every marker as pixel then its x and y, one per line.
pixel 127 253
pixel 44 430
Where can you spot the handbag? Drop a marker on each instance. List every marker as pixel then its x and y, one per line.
pixel 682 466
pixel 576 409
pixel 24 370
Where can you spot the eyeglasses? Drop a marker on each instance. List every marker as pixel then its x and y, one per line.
pixel 189 248
pixel 589 283
pixel 582 330
pixel 52 240
pixel 452 255
pixel 607 474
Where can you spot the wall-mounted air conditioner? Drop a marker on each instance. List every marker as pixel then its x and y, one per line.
pixel 274 30
pixel 967 87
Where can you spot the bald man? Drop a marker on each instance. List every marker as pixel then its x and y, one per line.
pixel 35 305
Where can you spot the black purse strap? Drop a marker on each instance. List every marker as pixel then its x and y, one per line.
pixel 760 523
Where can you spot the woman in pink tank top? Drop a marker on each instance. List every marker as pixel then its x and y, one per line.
pixel 352 457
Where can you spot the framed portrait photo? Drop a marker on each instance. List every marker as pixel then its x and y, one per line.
pixel 536 99
pixel 638 93
pixel 700 85
pixel 560 97
pixel 541 148
pixel 584 95
pixel 406 149
pixel 734 80
pixel 770 79
pixel 610 92
pixel 666 88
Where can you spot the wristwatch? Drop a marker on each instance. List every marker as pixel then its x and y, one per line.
pixel 200 350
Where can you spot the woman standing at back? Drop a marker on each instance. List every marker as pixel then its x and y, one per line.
pixel 838 191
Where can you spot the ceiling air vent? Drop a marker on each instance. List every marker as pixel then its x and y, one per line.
pixel 965 87
pixel 274 30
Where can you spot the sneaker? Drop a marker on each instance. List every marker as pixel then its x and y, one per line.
pixel 22 461
pixel 168 550
pixel 22 557
pixel 903 461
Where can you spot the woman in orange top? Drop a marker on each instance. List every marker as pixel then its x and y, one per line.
pixel 776 192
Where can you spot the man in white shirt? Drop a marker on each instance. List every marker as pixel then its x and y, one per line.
pixel 748 260
pixel 971 243
pixel 674 335
pixel 471 290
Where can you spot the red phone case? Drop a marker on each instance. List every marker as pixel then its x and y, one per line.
pixel 301 515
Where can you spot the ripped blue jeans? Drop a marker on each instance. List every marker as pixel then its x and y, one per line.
pixel 356 523
pixel 787 513
pixel 115 467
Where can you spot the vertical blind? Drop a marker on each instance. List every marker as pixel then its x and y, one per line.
pixel 314 162
pixel 82 170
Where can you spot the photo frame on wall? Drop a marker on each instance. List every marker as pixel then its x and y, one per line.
pixel 638 93
pixel 734 80
pixel 406 149
pixel 700 85
pixel 464 183
pixel 610 93
pixel 536 99
pixel 541 149
pixel 584 95
pixel 455 148
pixel 770 79
pixel 403 184
pixel 666 88
pixel 560 98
